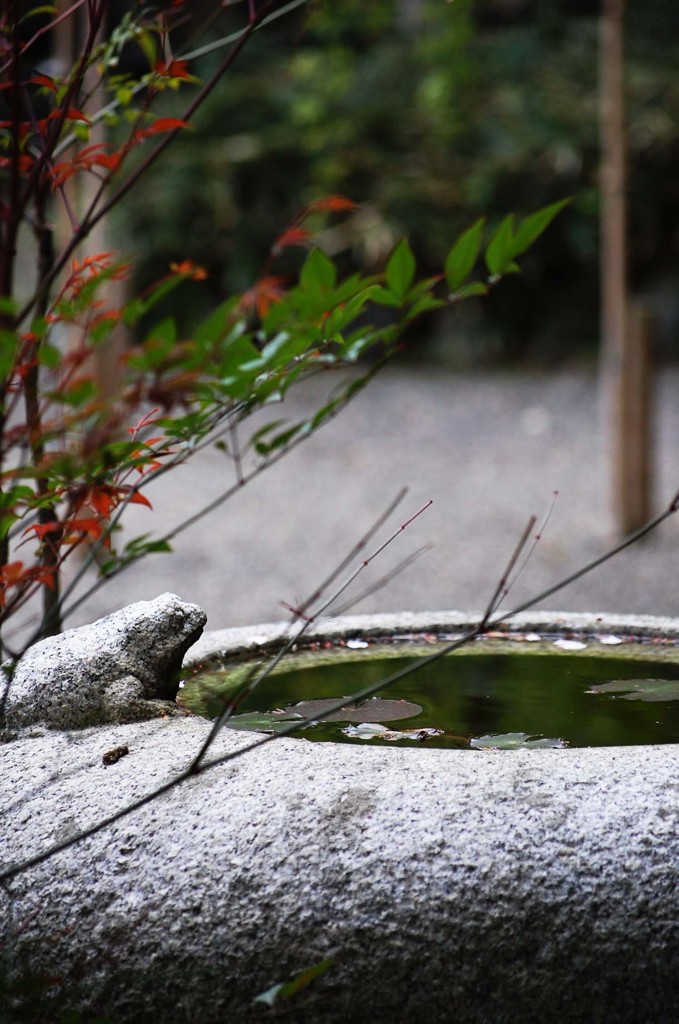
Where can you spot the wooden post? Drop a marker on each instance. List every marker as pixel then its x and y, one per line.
pixel 634 422
pixel 105 364
pixel 625 344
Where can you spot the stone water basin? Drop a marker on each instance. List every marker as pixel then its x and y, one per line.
pixel 513 886
pixel 522 691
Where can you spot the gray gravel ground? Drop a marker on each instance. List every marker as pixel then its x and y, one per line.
pixel 487 449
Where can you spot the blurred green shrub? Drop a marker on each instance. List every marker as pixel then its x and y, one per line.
pixel 428 114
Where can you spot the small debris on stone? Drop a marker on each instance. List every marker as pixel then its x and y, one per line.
pixel 114 755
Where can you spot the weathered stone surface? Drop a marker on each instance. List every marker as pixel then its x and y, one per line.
pixel 218 643
pixel 512 887
pixel 457 886
pixel 120 668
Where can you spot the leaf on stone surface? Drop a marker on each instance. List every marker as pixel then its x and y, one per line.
pixel 305 977
pixel 516 741
pixel 270 996
pixel 648 690
pixel 299 981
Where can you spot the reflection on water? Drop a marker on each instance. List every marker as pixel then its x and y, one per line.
pixel 471 695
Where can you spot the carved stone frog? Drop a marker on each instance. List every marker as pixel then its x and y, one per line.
pixel 122 668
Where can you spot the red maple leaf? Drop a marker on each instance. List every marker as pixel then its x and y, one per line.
pixel 331 204
pixel 263 295
pixel 293 236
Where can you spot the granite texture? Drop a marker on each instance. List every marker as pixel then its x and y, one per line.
pixel 220 643
pixel 468 886
pixel 122 667
pixel 464 886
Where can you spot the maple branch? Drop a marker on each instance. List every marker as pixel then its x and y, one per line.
pixel 201 51
pixel 93 216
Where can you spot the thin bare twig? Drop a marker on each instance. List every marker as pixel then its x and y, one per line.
pixel 383 581
pixel 536 540
pixel 13 870
pixel 501 589
pixel 366 561
pixel 45 29
pixel 292 640
pixel 355 551
pixel 352 390
pixel 236 453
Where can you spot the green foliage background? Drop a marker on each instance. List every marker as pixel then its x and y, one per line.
pixel 469 111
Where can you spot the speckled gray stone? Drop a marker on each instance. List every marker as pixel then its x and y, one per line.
pixel 464 886
pixel 120 668
pixel 511 887
pixel 220 643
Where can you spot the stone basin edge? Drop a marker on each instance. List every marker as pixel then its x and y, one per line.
pixel 218 644
pixel 511 887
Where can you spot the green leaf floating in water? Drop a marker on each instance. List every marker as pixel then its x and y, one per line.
pixel 375 710
pixel 261 721
pixel 516 741
pixel 639 689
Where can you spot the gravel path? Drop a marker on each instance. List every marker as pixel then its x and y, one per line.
pixel 488 450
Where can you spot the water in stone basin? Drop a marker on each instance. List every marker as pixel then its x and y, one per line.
pixel 476 698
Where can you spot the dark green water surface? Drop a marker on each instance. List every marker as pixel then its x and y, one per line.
pixel 548 695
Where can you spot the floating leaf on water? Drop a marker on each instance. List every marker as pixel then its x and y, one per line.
pixel 366 731
pixel 375 710
pixel 570 645
pixel 374 731
pixel 639 689
pixel 262 721
pixel 516 741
